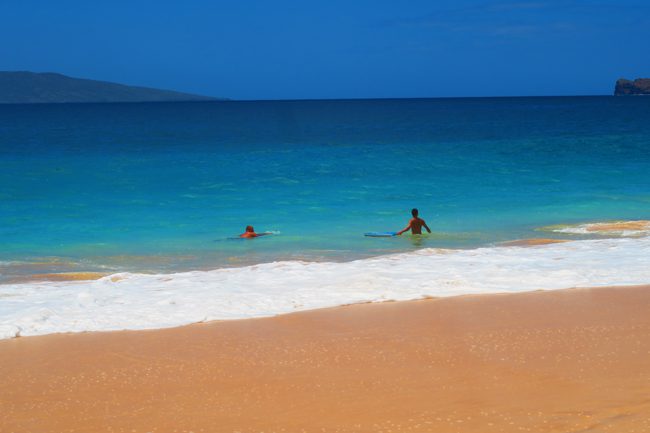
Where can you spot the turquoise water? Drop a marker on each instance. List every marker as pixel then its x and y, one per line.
pixel 151 187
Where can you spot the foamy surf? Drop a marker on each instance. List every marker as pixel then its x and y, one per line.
pixel 612 228
pixel 140 301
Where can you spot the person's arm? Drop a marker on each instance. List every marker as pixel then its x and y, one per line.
pixel 405 229
pixel 426 226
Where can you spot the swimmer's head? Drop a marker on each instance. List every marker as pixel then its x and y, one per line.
pixel 250 229
pixel 414 212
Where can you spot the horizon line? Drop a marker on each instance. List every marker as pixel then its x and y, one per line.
pixel 390 98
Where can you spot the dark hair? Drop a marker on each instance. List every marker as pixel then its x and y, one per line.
pixel 250 229
pixel 414 212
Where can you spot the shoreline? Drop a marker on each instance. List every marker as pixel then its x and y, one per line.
pixel 327 309
pixel 90 275
pixel 155 301
pixel 541 361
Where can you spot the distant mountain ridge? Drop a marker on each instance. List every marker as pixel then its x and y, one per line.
pixel 23 87
pixel 640 86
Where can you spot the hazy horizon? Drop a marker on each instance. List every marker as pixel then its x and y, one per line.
pixel 222 98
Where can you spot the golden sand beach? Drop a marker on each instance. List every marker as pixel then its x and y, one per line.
pixel 575 360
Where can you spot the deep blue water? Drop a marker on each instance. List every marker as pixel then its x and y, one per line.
pixel 164 185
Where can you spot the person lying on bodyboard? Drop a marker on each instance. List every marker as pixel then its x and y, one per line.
pixel 250 233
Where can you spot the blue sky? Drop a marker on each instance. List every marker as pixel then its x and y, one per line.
pixel 334 49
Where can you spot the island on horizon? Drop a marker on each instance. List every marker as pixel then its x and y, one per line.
pixel 640 86
pixel 24 87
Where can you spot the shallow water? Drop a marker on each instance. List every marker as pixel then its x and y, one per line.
pixel 94 183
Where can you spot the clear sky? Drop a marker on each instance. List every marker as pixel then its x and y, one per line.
pixel 287 49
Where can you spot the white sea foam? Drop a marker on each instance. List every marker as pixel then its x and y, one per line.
pixel 139 301
pixel 616 228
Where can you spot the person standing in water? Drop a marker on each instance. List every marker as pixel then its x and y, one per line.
pixel 415 225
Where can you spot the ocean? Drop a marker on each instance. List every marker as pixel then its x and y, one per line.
pixel 126 216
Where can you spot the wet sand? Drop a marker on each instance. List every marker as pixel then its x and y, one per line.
pixel 574 360
pixel 640 225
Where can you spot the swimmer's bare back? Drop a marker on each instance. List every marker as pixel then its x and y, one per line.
pixel 415 225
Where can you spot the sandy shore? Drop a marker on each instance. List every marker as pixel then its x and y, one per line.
pixel 564 361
